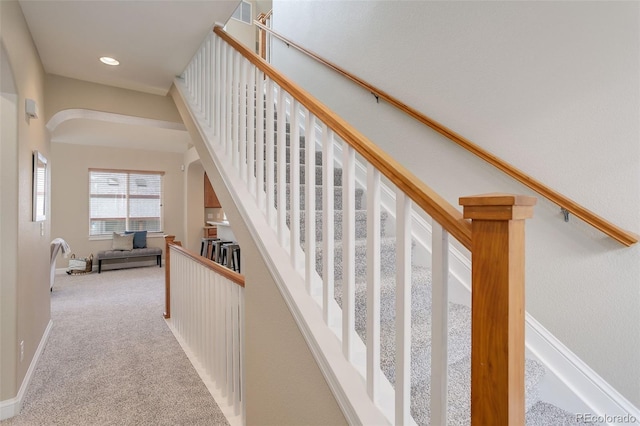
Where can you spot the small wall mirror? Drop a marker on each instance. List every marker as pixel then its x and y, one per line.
pixel 39 187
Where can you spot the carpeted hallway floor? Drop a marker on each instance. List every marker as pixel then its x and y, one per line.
pixel 112 360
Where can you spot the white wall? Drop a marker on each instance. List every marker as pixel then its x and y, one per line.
pixel 553 88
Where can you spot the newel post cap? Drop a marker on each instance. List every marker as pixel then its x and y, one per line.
pixel 497 206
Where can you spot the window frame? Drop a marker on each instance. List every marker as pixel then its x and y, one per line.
pixel 128 196
pixel 239 8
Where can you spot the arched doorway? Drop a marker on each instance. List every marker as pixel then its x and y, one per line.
pixel 8 227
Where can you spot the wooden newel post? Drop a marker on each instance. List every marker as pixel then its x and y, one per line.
pixel 168 239
pixel 497 307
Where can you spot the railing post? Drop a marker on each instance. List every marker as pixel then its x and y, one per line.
pixel 497 307
pixel 168 239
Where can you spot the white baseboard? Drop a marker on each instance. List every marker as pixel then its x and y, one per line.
pixel 11 407
pixel 573 385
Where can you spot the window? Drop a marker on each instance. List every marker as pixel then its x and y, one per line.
pixel 123 200
pixel 243 13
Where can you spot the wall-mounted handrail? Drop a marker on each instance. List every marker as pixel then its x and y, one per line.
pixel 625 237
pixel 432 203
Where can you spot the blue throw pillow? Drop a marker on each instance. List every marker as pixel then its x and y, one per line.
pixel 139 238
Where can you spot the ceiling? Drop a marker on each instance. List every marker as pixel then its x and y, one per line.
pixel 153 39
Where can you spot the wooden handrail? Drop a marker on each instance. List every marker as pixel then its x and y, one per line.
pixel 626 238
pixel 229 274
pixel 170 242
pixel 262 17
pixel 423 196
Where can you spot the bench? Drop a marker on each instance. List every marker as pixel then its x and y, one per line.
pixel 129 254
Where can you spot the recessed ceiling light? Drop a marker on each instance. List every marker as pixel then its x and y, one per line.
pixel 109 61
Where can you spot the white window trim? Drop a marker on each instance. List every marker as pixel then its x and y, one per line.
pixel 250 13
pixel 151 234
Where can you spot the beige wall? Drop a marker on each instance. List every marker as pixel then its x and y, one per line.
pixel 244 33
pixel 518 79
pixel 194 202
pixel 67 93
pixel 284 385
pixel 70 191
pixel 31 296
pixel 8 228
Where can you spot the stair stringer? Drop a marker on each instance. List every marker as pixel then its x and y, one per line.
pixel 345 381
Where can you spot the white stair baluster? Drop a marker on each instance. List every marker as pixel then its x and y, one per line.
pixel 403 308
pixel 194 82
pixel 251 129
pixel 211 79
pixel 270 161
pixel 373 282
pixel 224 93
pixel 198 80
pixel 228 323
pixel 242 349
pixel 439 323
pixel 208 323
pixel 328 224
pixel 281 149
pixel 218 87
pixel 236 110
pixel 348 250
pixel 260 132
pixel 235 329
pixel 310 201
pixel 242 122
pixel 220 336
pixel 207 82
pixel 229 102
pixel 294 173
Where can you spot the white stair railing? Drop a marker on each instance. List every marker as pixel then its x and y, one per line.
pixel 207 318
pixel 241 81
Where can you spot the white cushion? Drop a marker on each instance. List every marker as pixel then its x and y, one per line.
pixel 122 242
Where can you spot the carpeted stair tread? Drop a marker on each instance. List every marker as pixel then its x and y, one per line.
pixel 459 393
pixel 337 175
pixel 546 414
pixel 337 197
pixel 387 257
pixel 459 321
pixel 287 140
pixel 303 156
pixel 360 224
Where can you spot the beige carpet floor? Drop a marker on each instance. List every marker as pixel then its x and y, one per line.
pixel 112 360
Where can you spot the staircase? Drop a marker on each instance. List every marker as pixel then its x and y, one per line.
pixel 459 335
pixel 269 178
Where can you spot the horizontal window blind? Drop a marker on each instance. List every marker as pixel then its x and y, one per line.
pixel 124 200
